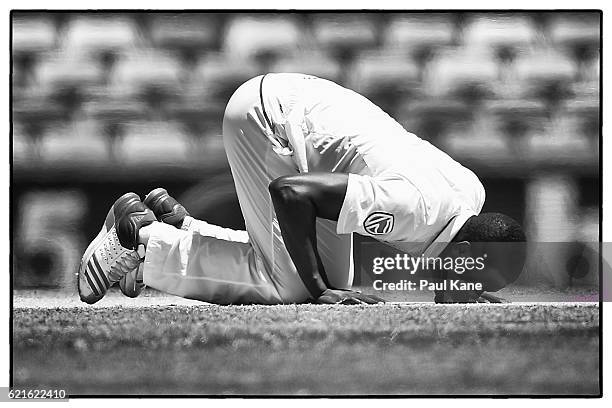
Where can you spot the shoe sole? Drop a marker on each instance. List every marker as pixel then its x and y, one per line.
pixel 116 211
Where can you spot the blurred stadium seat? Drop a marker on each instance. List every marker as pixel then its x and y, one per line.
pixel 149 74
pixel 385 78
pixel 216 77
pixel 547 74
pixel 80 142
pixel 31 35
pixel 570 132
pixel 261 38
pixel 478 138
pixel 153 142
pixel 560 141
pixel 311 63
pixel 190 33
pixel 343 34
pixel 544 65
pixel 575 30
pixel 586 115
pixel 109 108
pixel 578 35
pixel 200 117
pixel 431 119
pixel 467 74
pixel 504 33
pixel 98 34
pixel 113 114
pixel 36 111
pixel 60 71
pixel 419 34
pixel 517 118
pixel 63 81
pixel 23 150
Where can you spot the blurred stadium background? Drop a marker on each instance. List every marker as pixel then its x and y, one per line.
pixel 107 103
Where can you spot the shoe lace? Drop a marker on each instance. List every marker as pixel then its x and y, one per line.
pixel 125 261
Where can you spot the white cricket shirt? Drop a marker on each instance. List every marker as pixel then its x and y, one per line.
pixel 402 190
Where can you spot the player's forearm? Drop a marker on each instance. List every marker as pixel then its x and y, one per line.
pixel 298 201
pixel 297 220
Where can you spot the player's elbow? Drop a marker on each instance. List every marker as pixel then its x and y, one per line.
pixel 286 190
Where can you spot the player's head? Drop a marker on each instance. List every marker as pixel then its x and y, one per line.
pixel 500 240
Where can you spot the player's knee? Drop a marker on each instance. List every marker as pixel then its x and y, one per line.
pixel 284 189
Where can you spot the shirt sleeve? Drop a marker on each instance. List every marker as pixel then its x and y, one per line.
pixel 386 207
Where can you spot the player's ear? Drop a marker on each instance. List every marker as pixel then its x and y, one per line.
pixel 460 249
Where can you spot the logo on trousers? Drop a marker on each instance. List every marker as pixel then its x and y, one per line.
pixel 379 223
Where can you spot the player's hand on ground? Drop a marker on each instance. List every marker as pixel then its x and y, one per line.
pixel 466 296
pixel 347 297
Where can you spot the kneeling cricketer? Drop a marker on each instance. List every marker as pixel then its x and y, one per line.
pixel 313 162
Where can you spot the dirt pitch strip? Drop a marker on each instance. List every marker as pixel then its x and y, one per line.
pixel 158 344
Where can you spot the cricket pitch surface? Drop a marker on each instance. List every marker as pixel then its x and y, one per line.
pixel 159 344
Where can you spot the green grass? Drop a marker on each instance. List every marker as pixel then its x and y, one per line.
pixel 309 349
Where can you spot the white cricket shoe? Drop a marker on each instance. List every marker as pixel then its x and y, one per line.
pixel 113 253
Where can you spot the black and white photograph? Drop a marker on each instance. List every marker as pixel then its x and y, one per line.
pixel 306 203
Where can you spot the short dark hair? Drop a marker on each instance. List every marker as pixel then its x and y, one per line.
pixel 507 260
pixel 491 227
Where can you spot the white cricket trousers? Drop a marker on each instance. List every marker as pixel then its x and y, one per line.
pixel 218 265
